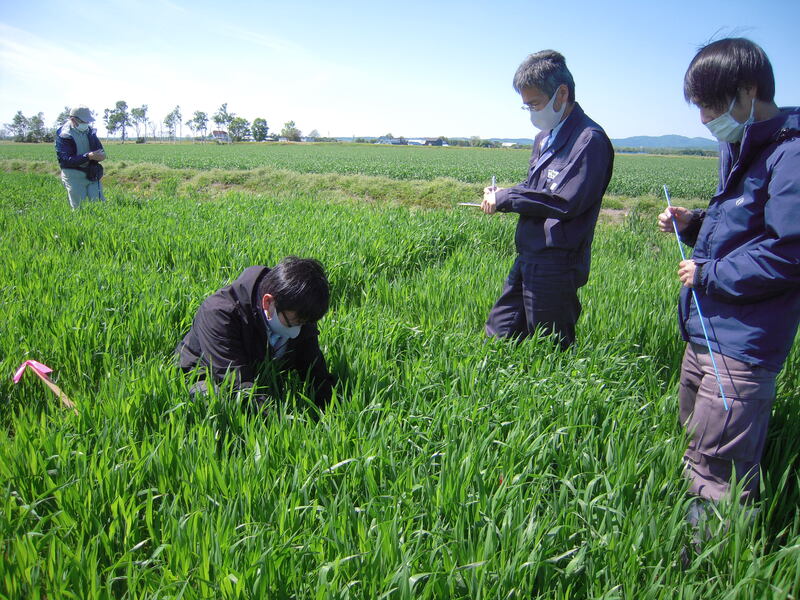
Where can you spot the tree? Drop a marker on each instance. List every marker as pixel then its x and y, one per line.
pixel 223 117
pixel 173 120
pixel 19 126
pixel 190 125
pixel 37 131
pixel 110 127
pixel 314 135
pixel 199 122
pixel 239 129
pixel 139 118
pixel 24 129
pixel 117 119
pixel 291 132
pixel 122 118
pixel 259 129
pixel 61 118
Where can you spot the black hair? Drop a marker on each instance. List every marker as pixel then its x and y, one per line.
pixel 720 69
pixel 545 70
pixel 299 285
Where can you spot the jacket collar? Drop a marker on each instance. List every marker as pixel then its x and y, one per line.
pixel 567 128
pixel 565 133
pixel 65 131
pixel 761 133
pixel 757 136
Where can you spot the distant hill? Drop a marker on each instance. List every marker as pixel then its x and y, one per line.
pixel 665 141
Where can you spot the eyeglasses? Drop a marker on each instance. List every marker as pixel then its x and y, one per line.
pixel 289 323
pixel 528 107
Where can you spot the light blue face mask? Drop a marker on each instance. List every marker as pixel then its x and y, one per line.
pixel 278 328
pixel 727 129
pixel 82 127
pixel 548 117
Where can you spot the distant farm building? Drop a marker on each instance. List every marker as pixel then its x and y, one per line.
pixel 221 137
pixel 392 141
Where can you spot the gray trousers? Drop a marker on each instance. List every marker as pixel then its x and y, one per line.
pixel 79 188
pixel 724 444
pixel 537 297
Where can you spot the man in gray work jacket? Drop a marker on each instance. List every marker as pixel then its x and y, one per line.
pixel 558 206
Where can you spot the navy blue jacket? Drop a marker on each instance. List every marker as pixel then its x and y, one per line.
pixel 748 248
pixel 229 333
pixel 559 203
pixel 67 151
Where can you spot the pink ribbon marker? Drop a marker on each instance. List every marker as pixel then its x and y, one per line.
pixel 42 371
pixel 36 366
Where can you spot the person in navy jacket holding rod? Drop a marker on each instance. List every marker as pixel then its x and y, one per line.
pixel 745 268
pixel 557 204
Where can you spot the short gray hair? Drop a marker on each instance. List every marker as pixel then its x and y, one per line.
pixel 545 70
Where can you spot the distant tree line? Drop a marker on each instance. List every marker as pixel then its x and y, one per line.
pixel 473 142
pixel 32 129
pixel 121 119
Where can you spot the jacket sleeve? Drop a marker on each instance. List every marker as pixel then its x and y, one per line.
pixel 66 152
pixel 219 335
pixel 308 361
pixel 96 144
pixel 689 235
pixel 580 184
pixel 769 264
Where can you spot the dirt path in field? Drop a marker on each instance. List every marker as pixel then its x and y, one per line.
pixel 615 216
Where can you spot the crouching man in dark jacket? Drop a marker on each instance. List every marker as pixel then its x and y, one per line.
pixel 264 315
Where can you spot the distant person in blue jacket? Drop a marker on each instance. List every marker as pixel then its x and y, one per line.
pixel 80 153
pixel 745 267
pixel 558 205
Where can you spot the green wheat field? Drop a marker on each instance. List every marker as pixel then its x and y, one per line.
pixel 447 466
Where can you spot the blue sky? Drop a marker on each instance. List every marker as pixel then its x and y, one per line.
pixel 368 68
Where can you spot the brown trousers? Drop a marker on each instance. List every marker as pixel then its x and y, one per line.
pixel 724 444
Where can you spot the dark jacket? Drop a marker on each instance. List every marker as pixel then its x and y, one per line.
pixel 229 333
pixel 67 153
pixel 747 247
pixel 559 203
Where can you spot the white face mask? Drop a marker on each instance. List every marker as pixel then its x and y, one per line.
pixel 82 127
pixel 547 118
pixel 727 129
pixel 278 328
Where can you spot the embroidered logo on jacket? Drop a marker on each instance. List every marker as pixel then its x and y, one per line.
pixel 552 173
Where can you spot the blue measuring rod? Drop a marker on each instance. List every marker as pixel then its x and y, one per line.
pixel 697 304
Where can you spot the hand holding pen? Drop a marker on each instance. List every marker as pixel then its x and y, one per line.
pixel 489 205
